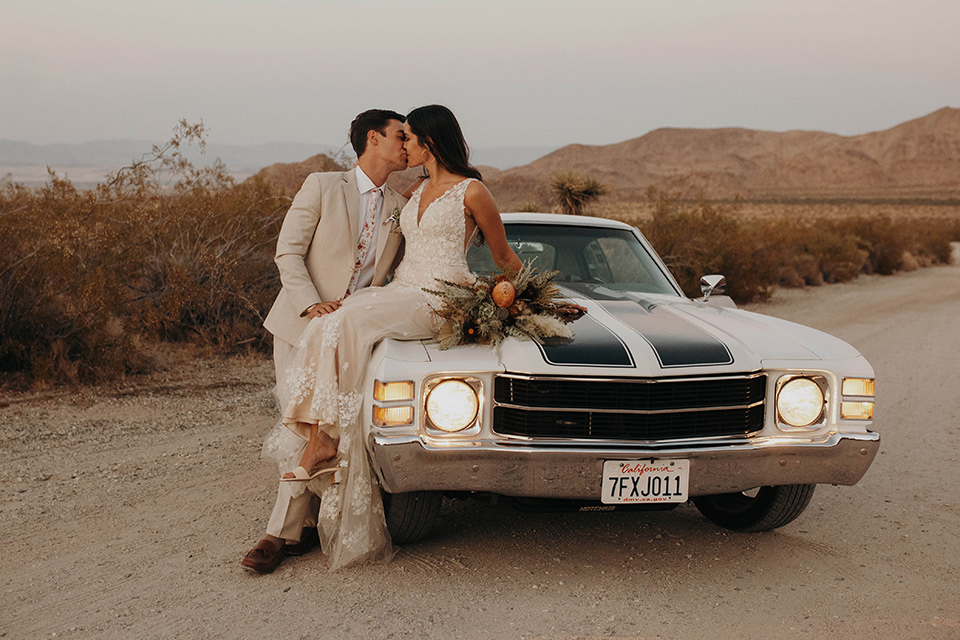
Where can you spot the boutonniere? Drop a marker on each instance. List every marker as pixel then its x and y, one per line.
pixel 394 217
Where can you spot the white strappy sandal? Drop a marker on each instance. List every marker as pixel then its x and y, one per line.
pixel 327 466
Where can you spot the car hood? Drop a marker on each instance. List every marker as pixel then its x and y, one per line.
pixel 631 334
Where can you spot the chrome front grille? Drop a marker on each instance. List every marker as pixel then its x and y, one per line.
pixel 635 409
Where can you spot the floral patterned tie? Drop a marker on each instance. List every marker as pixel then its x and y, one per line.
pixel 366 235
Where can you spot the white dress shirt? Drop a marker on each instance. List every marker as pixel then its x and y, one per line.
pixel 365 187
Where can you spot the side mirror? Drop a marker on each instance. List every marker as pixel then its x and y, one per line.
pixel 712 284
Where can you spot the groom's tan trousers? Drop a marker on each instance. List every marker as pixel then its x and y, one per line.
pixel 290 515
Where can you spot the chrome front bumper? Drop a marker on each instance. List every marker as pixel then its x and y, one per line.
pixel 408 464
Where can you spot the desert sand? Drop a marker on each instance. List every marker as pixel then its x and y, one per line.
pixel 125 511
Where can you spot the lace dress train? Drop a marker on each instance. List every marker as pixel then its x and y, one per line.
pixel 323 383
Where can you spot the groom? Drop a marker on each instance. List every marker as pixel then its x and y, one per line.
pixel 320 263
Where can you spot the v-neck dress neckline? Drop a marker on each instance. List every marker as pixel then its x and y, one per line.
pixel 421 214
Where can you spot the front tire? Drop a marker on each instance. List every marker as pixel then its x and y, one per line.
pixel 410 516
pixel 769 508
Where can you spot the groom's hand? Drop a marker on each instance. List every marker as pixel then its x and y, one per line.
pixel 322 308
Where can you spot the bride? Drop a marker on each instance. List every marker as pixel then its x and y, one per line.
pixel 322 392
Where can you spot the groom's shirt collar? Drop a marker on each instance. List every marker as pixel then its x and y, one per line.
pixel 364 183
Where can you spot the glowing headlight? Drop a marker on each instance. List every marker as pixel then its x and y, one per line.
pixel 393 391
pixel 452 405
pixel 856 410
pixel 859 387
pixel 392 416
pixel 860 406
pixel 800 402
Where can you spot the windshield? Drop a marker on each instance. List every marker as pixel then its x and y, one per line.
pixel 587 257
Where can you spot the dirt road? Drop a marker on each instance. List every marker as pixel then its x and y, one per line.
pixel 125 511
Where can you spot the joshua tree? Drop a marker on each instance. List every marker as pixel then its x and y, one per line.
pixel 574 192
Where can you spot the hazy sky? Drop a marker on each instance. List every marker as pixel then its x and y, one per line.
pixel 516 72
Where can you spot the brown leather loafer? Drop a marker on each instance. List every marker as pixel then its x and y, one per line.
pixel 309 539
pixel 263 558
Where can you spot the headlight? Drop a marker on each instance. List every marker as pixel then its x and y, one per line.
pixel 858 398
pixel 395 415
pixel 452 405
pixel 800 402
pixel 393 391
pixel 859 387
pixel 856 410
pixel 392 416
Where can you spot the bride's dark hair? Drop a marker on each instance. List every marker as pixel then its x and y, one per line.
pixel 438 130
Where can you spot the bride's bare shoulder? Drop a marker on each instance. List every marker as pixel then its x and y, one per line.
pixel 408 192
pixel 476 189
pixel 478 200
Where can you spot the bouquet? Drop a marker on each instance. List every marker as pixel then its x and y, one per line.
pixel 522 304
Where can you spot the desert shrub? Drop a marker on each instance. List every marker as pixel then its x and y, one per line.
pixel 158 251
pixel 529 206
pixel 893 243
pixel 60 298
pixel 696 237
pixel 814 252
pixel 932 240
pixel 883 241
pixel 209 275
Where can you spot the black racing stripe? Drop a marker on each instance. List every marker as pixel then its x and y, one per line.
pixel 676 341
pixel 593 345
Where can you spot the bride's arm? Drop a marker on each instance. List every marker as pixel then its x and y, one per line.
pixel 480 206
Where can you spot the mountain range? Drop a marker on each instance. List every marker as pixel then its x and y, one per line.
pixel 920 157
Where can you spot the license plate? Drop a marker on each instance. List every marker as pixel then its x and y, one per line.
pixel 637 481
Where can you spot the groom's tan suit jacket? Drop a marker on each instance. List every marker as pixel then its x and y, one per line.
pixel 317 248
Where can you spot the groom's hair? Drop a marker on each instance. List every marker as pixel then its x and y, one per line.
pixel 372 120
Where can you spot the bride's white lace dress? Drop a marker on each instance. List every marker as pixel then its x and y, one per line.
pixel 323 382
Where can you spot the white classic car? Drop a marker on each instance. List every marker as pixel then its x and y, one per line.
pixel 657 399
